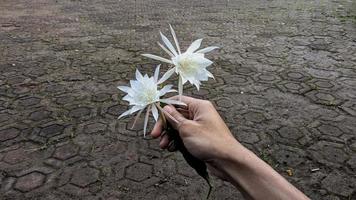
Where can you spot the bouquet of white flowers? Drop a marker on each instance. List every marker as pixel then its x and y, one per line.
pixel 145 94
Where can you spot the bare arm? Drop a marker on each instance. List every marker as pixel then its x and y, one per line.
pixel 207 137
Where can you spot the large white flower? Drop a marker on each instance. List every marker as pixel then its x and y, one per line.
pixel 190 65
pixel 144 93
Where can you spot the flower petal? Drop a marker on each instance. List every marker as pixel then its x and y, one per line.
pixel 165 49
pixel 207 49
pixel 194 46
pixel 203 61
pixel 124 114
pixel 156 74
pixel 124 88
pixel 168 44
pixel 175 38
pixel 165 89
pixel 157 58
pixel 127 98
pixel 130 111
pixel 166 75
pixel 171 101
pixel 210 74
pixel 155 112
pixel 138 75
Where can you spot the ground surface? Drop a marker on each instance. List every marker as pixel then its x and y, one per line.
pixel 285 83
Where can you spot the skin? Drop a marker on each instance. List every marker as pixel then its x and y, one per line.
pixel 207 137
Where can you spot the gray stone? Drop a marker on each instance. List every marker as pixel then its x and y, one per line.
pixel 29 182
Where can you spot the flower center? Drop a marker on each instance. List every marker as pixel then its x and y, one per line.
pixel 187 65
pixel 148 95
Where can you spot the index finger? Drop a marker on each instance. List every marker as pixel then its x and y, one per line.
pixel 157 129
pixel 185 99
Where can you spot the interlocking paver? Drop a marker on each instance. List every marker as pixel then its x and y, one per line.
pixel 83 177
pixel 284 82
pixel 29 182
pixel 8 134
pixel 66 151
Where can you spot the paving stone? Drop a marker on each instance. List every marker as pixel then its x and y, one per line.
pixel 101 97
pixel 30 101
pixel 95 128
pixel 224 103
pixel 254 117
pixel 64 100
pixel 296 76
pixel 288 156
pixel 79 112
pixel 339 183
pixel 16 156
pixel 8 134
pixel 4 117
pixel 39 115
pixel 293 87
pixel 30 181
pixel 83 177
pixel 138 172
pixel 290 132
pixel 328 152
pixel 66 151
pixel 330 130
pixel 51 130
pixel 325 98
pixel 247 137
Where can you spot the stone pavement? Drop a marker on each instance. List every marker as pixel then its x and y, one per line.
pixel 285 84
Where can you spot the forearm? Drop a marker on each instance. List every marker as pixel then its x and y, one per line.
pixel 254 177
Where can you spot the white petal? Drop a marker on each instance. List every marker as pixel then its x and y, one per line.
pixel 157 58
pixel 156 74
pixel 210 74
pixel 127 98
pixel 166 75
pixel 155 112
pixel 138 75
pixel 168 44
pixel 136 108
pixel 175 38
pixel 203 61
pixel 124 114
pixel 183 80
pixel 135 84
pixel 130 111
pixel 207 49
pixel 171 101
pixel 165 89
pixel 165 49
pixel 194 46
pixel 146 121
pixel 172 91
pixel 124 88
pixel 197 85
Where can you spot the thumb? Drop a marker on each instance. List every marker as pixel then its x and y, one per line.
pixel 173 116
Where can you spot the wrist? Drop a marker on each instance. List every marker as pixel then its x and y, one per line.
pixel 231 152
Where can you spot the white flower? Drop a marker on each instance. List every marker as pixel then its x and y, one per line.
pixel 190 65
pixel 144 93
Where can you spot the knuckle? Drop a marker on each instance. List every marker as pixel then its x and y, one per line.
pixel 183 126
pixel 207 103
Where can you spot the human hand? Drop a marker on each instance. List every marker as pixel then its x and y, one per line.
pixel 201 128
